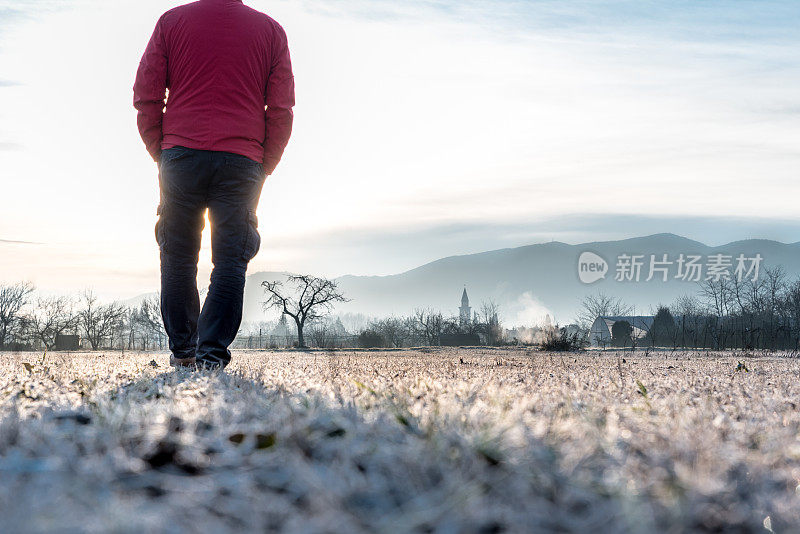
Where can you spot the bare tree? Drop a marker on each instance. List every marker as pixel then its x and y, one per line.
pixel 429 325
pixel 743 314
pixel 149 322
pixel 776 288
pixel 490 322
pixel 599 305
pixel 321 334
pixel 99 321
pixel 411 332
pixel 132 327
pixel 52 317
pixel 792 310
pixel 719 300
pixel 685 305
pixel 315 297
pixel 392 329
pixel 687 311
pixel 144 324
pixel 489 310
pixel 13 298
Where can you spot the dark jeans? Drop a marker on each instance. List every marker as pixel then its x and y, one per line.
pixel 229 185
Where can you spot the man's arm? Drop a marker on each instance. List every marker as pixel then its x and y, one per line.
pixel 279 99
pixel 149 91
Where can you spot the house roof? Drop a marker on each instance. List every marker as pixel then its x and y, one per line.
pixel 642 322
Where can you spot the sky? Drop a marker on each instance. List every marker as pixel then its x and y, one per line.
pixel 422 129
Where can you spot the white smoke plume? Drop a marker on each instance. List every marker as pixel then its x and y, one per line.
pixel 530 312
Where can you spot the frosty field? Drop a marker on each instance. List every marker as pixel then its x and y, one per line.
pixel 429 440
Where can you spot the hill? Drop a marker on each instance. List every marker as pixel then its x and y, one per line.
pixel 533 280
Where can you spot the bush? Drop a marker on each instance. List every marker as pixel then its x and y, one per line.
pixel 621 332
pixel 370 339
pixel 560 339
pixel 663 332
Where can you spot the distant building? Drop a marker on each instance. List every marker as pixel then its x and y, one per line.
pixel 600 333
pixel 464 312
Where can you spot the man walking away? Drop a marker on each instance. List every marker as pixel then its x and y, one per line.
pixel 224 71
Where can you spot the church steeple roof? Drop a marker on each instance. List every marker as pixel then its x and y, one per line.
pixel 464 298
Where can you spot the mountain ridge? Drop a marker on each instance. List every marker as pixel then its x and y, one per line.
pixel 539 278
pixel 528 281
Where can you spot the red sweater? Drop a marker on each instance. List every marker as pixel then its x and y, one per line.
pixel 229 76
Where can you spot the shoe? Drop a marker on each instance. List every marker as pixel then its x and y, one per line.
pixel 210 365
pixel 182 362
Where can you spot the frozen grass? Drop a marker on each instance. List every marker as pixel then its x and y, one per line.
pixel 447 440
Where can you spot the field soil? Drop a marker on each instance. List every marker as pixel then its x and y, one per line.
pixel 429 440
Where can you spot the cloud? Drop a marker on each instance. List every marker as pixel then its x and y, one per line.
pixel 14 242
pixel 9 83
pixel 27 11
pixel 8 146
pixel 579 20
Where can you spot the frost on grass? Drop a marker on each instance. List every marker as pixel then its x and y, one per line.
pixel 441 441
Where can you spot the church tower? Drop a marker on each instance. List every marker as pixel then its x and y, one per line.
pixel 464 312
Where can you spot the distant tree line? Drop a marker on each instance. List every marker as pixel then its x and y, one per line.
pixel 760 314
pixel 424 327
pixel 28 321
pixel 428 327
pixel 34 322
pixel 724 314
